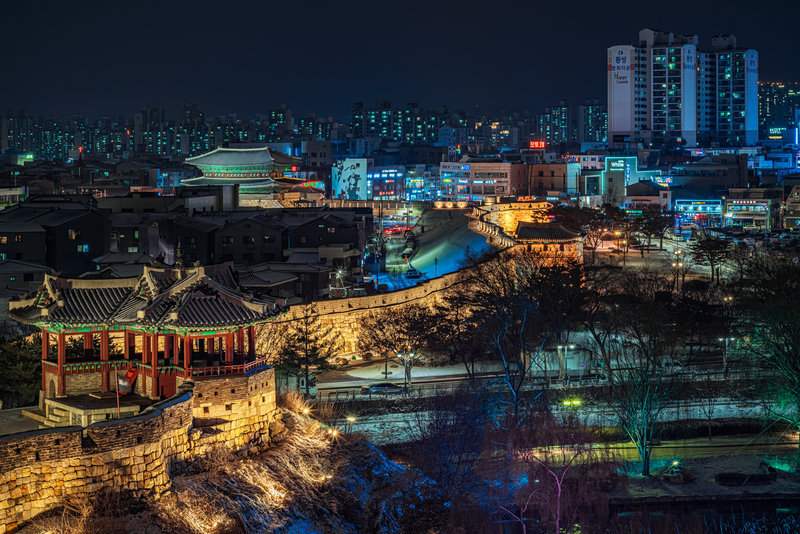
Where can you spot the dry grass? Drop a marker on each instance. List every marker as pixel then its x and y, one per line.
pixel 97 515
pixel 312 480
pixel 256 494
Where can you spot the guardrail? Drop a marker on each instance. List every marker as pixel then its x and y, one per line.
pixel 493 383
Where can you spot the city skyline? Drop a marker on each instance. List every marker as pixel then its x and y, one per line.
pixel 254 59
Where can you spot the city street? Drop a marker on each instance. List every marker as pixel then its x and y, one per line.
pixel 442 248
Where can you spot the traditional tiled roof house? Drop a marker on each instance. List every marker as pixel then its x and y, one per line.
pixel 166 326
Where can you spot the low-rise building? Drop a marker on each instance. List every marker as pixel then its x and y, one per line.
pixel 791 214
pixel 754 207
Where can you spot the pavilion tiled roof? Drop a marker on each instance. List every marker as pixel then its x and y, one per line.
pixel 239 157
pixel 162 298
pixel 545 232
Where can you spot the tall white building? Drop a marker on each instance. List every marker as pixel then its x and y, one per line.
pixel 666 88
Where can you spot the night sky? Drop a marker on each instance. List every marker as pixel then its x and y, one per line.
pixel 110 58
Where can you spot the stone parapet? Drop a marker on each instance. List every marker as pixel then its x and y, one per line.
pixel 39 469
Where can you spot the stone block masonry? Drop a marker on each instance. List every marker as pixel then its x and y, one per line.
pixel 39 469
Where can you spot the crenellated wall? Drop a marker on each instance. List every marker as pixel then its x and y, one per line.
pixel 343 314
pixel 39 469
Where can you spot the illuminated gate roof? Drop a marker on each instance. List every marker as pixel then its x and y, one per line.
pixel 162 299
pixel 254 169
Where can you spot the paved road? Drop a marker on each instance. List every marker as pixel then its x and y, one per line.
pixel 441 250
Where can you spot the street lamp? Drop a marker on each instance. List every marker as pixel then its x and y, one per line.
pixel 350 420
pixel 404 357
pixel 725 356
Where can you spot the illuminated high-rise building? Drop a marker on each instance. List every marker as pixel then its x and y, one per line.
pixel 778 107
pixel 666 88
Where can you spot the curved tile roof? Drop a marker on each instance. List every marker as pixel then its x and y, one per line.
pixel 545 232
pixel 170 298
pixel 243 157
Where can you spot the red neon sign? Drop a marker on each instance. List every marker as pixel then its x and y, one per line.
pixel 537 145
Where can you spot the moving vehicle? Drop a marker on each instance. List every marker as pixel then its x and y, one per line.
pixel 381 388
pixel 413 273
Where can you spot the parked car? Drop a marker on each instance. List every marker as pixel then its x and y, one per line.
pixel 381 388
pixel 413 273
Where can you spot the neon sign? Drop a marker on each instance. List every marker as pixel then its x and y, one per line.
pixel 537 145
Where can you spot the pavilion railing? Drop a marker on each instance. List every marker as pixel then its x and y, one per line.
pixel 97 366
pixel 72 368
pixel 221 370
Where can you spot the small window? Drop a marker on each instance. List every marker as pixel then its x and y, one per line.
pixel 17 238
pixel 228 407
pixel 72 234
pixel 3 239
pixel 205 409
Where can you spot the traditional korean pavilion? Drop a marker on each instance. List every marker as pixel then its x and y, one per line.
pixel 256 170
pixel 163 327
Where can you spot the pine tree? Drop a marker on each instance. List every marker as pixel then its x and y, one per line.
pixel 309 346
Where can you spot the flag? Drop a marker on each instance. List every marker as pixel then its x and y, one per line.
pixel 122 385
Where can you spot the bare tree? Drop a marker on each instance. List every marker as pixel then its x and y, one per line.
pixel 506 312
pixel 768 297
pixel 712 251
pixel 599 316
pixel 397 333
pixel 640 392
pixel 455 330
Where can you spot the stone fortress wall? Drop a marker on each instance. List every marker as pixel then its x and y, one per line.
pixel 38 469
pixel 343 314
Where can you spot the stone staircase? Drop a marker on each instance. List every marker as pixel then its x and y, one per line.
pixel 56 417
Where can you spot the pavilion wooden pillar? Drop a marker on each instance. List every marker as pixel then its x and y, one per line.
pixel 240 341
pixel 155 366
pixel 62 360
pixel 251 341
pixel 167 349
pixel 176 349
pixel 45 354
pixel 126 345
pixel 145 359
pixel 88 344
pixel 145 348
pixel 211 346
pixel 104 358
pixel 187 353
pixel 229 348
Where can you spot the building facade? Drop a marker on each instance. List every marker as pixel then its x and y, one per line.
pixel 666 89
